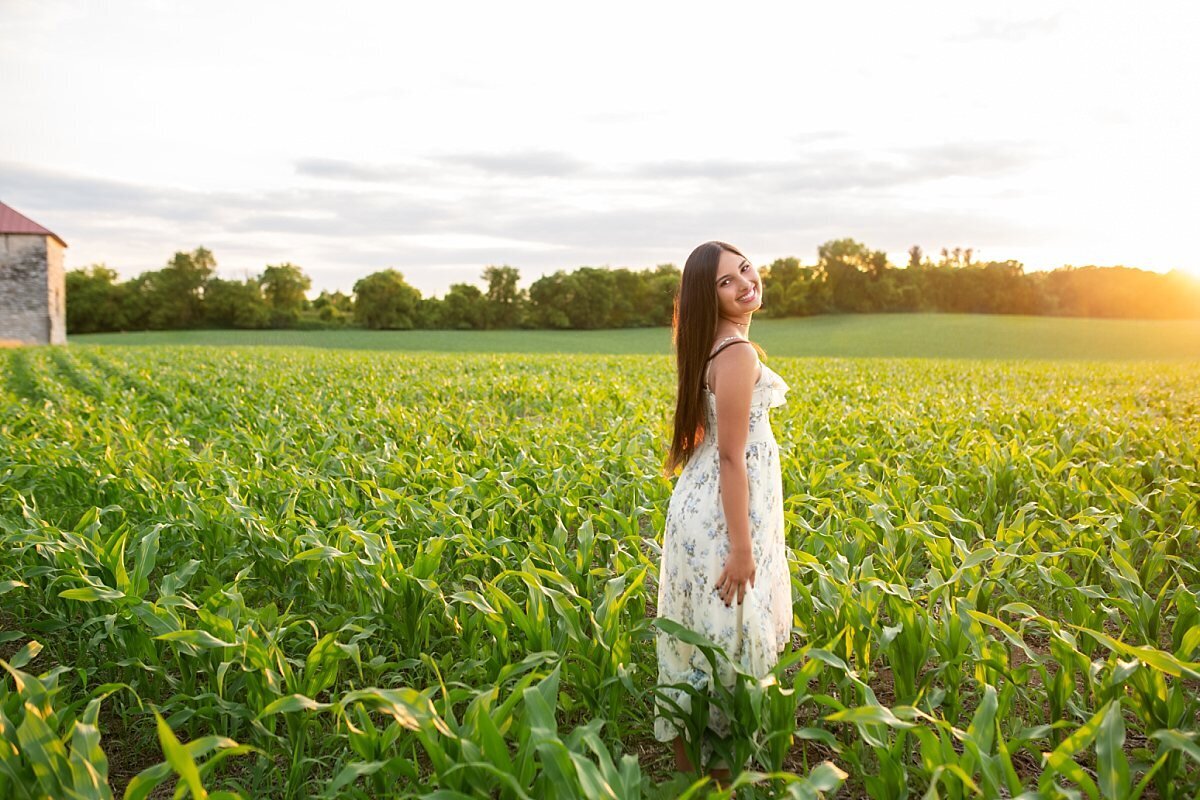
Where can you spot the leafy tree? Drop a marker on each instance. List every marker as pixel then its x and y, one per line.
pixel 163 308
pixel 334 307
pixel 464 307
pixel 546 301
pixel 644 297
pixel 627 291
pixel 777 280
pixel 593 297
pixel 958 257
pixel 654 296
pixel 184 278
pixel 916 259
pixel 138 302
pixel 384 300
pixel 283 287
pixel 1118 292
pixel 235 304
pixel 429 313
pixel 662 284
pixel 590 299
pixel 95 300
pixel 174 295
pixel 790 289
pixel 339 300
pixel 848 276
pixel 504 300
pixel 915 281
pixel 1002 288
pixel 851 267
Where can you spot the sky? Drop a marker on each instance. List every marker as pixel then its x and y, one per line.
pixel 440 138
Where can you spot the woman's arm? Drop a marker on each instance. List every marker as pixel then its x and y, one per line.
pixel 734 388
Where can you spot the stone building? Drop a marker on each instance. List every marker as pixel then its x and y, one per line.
pixel 33 302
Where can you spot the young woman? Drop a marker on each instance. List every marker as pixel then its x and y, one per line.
pixel 724 570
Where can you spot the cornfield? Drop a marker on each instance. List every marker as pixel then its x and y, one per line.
pixel 294 573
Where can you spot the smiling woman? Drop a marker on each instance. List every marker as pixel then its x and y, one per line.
pixel 724 567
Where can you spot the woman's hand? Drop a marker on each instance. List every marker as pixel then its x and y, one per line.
pixel 740 569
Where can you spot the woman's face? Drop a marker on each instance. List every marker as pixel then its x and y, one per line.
pixel 739 291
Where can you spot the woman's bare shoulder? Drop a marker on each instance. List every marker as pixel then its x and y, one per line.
pixel 726 343
pixel 737 364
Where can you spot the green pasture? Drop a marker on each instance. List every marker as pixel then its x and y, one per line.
pixel 293 572
pixel 834 335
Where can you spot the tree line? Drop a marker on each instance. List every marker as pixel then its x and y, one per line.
pixel 848 277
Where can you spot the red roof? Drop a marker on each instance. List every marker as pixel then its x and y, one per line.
pixel 13 221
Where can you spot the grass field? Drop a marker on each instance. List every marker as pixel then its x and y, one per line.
pixel 837 335
pixel 293 572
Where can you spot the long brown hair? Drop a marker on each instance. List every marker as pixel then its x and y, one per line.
pixel 693 326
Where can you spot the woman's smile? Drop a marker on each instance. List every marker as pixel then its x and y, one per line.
pixel 751 294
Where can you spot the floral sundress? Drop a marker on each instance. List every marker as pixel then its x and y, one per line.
pixel 694 551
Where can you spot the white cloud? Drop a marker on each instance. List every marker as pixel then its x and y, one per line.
pixel 440 139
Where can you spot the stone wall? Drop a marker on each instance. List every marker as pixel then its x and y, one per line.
pixel 56 304
pixel 24 288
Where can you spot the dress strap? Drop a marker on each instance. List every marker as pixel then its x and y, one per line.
pixel 726 343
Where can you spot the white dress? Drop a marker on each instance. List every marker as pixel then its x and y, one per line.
pixel 695 548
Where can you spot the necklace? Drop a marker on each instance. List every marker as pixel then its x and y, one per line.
pixel 741 325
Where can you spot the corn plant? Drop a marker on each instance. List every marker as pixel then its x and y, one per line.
pixel 296 573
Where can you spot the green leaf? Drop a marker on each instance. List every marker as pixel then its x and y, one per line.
pixel 180 760
pixel 879 715
pixel 196 637
pixel 1062 759
pixel 91 594
pixel 291 703
pixel 1112 768
pixel 44 752
pixel 25 654
pixel 983 725
pixel 145 560
pixel 88 764
pixel 320 553
pixel 1183 741
pixel 1152 657
pixel 492 742
pixel 351 773
pixel 474 599
pixel 825 778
